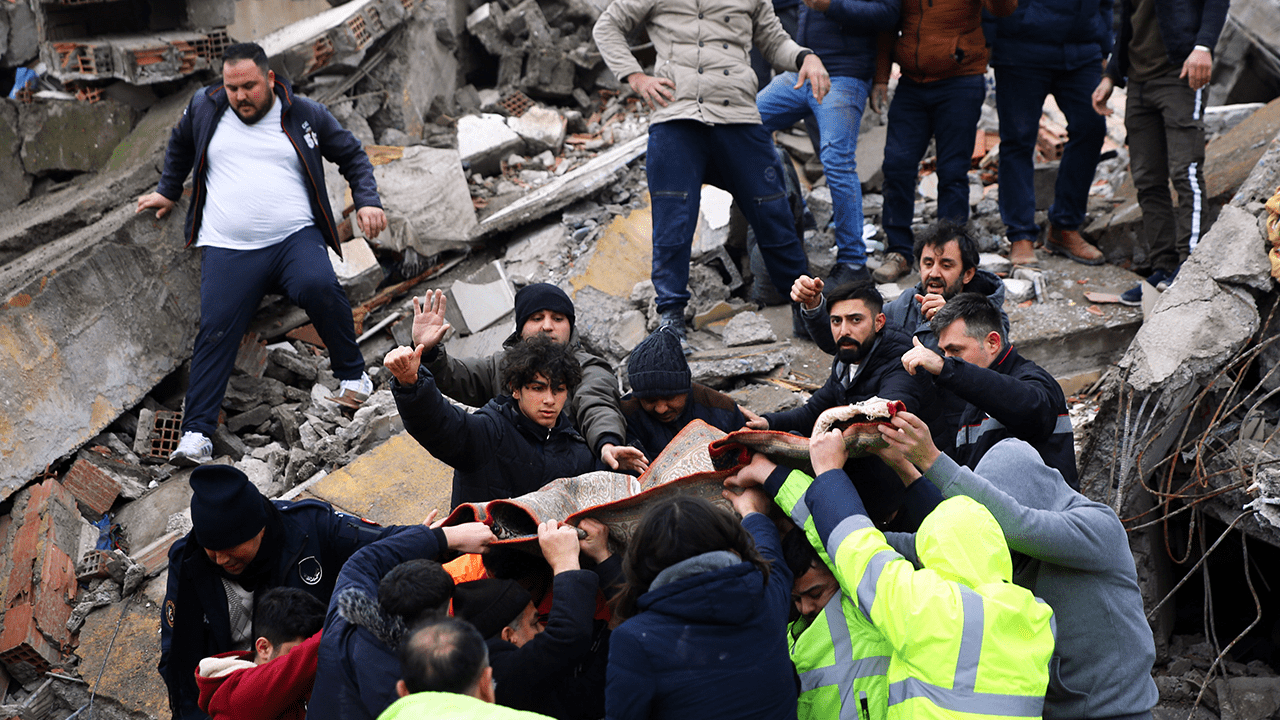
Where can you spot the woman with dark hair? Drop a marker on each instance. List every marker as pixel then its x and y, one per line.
pixel 706 604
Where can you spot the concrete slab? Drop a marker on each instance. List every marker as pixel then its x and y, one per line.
pixel 481 304
pixel 70 136
pixel 308 45
pixel 541 128
pixel 146 519
pixel 15 183
pixel 422 66
pixel 397 483
pixel 717 368
pixel 426 199
pixel 485 140
pixel 533 254
pixel 623 255
pixel 88 325
pixel 1231 157
pixel 129 674
pixel 870 158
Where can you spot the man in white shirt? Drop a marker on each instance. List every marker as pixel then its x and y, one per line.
pixel 261 215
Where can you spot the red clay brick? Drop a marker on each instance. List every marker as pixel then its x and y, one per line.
pixel 20 640
pixel 57 587
pixel 94 488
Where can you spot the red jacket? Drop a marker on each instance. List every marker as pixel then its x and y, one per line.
pixel 233 688
pixel 939 39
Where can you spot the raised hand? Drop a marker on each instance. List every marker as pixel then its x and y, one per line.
pixel 429 325
pixel 920 356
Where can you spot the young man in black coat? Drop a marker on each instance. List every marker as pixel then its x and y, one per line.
pixel 241 545
pixel 1007 395
pixel 867 364
pixel 513 445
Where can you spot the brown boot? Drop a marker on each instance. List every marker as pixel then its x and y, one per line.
pixel 1023 254
pixel 1072 244
pixel 894 267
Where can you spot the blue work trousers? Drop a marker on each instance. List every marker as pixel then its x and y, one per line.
pixel 948 111
pixel 233 283
pixel 839 117
pixel 684 154
pixel 1020 94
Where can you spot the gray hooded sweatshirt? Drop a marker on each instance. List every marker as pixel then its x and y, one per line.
pixel 1078 560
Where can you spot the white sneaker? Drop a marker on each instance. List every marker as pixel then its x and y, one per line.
pixel 193 449
pixel 363 385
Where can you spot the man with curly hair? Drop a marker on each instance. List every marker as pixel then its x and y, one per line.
pixel 513 445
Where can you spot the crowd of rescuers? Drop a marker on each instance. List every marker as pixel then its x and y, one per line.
pixel 914 582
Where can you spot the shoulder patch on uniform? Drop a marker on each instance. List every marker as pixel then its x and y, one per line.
pixel 310 570
pixel 168 613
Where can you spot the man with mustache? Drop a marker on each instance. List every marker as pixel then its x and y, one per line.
pixel 867 365
pixel 260 214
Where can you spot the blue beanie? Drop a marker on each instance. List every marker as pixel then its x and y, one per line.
pixel 226 509
pixel 657 367
pixel 541 296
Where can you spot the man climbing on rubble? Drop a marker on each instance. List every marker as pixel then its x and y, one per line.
pixel 513 445
pixel 261 216
pixel 947 257
pixel 1165 53
pixel 541 309
pixel 1071 552
pixel 1006 395
pixel 867 364
pixel 241 545
pixel 664 398
pixel 706 128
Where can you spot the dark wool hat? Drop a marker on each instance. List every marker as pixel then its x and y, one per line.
pixel 541 296
pixel 490 604
pixel 226 509
pixel 657 367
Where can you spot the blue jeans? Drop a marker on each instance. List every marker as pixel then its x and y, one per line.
pixel 683 154
pixel 1020 93
pixel 839 118
pixel 948 111
pixel 232 284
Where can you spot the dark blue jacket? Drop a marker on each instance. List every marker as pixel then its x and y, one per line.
pixel 356 671
pixel 1013 398
pixel 1055 34
pixel 714 408
pixel 495 452
pixel 879 375
pixel 844 36
pixel 305 545
pixel 1184 24
pixel 709 646
pixel 314 132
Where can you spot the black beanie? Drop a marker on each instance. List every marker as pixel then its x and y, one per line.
pixel 490 604
pixel 657 367
pixel 541 296
pixel 226 509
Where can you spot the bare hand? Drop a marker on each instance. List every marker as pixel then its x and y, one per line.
pixel 429 325
pixel 819 5
pixel 910 435
pixel 757 423
pixel 930 304
pixel 880 97
pixel 431 521
pixel 372 221
pixel 403 364
pixel 807 291
pixel 559 545
pixel 747 500
pixel 471 538
pixel 656 91
pixel 813 71
pixel 160 203
pixel 1101 95
pixel 624 458
pixel 753 473
pixel 827 451
pixel 1197 69
pixel 596 544
pixel 750 416
pixel 920 356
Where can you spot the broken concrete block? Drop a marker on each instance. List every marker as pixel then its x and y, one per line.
pixel 485 24
pixel 632 327
pixel 1235 250
pixel 358 270
pixel 23 38
pixel 1046 179
pixel 870 158
pixel 66 136
pixel 287 357
pixel 994 262
pixel 251 358
pixel 249 419
pixel 15 183
pixel 303 47
pixel 597 319
pixel 422 66
pixel 718 368
pixel 548 72
pixel 748 328
pixel 714 211
pixel 1248 698
pixel 719 311
pixel 1017 290
pixel 928 186
pixel 429 228
pixel 484 140
pixel 541 128
pixel 533 253
pixel 481 301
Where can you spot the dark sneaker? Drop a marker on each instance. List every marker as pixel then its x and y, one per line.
pixel 844 273
pixel 673 321
pixel 1160 280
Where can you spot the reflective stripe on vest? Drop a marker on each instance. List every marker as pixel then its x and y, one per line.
pixel 971 434
pixel 800 513
pixel 961 696
pixel 847 527
pixel 845 670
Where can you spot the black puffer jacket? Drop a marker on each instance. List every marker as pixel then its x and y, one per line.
pixel 495 452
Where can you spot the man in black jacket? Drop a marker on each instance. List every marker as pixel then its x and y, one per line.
pixel 867 364
pixel 240 545
pixel 260 214
pixel 1007 395
pixel 1165 53
pixel 513 445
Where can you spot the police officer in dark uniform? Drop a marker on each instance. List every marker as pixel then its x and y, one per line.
pixel 240 545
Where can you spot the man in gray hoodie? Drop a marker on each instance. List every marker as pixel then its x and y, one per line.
pixel 1072 553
